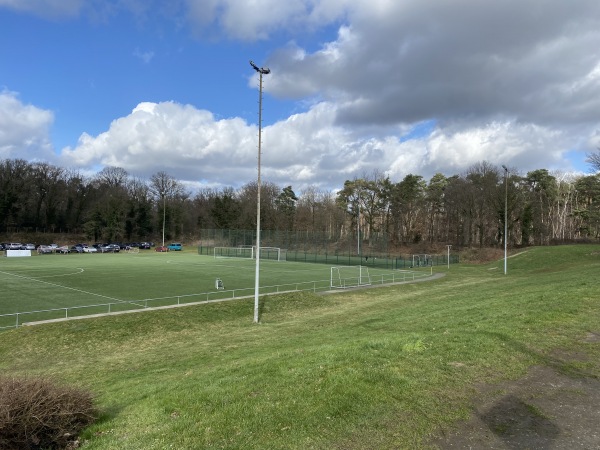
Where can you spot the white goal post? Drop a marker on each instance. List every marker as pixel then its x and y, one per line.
pixel 422 260
pixel 273 253
pixel 343 277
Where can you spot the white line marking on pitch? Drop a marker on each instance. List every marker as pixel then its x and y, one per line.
pixel 64 274
pixel 66 287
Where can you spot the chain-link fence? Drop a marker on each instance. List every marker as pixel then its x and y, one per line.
pixel 321 248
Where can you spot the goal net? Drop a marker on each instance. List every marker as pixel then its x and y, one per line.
pixel 272 253
pixel 422 260
pixel 233 252
pixel 349 276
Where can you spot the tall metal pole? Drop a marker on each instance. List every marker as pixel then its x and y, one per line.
pixel 358 231
pixel 164 217
pixel 261 71
pixel 505 214
pixel 448 255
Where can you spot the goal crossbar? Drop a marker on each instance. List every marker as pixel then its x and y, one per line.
pixel 422 260
pixel 272 253
pixel 343 277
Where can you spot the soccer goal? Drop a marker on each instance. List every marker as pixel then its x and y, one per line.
pixel 422 260
pixel 273 253
pixel 349 276
pixel 233 252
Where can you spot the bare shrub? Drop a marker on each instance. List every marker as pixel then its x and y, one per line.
pixel 36 413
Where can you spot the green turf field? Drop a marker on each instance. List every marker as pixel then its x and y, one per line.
pixel 85 284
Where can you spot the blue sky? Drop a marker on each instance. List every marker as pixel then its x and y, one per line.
pixel 358 88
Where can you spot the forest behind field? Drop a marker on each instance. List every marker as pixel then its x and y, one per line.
pixel 469 209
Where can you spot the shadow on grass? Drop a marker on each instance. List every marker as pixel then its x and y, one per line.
pixel 519 424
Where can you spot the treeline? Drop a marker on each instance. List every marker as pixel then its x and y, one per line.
pixel 464 210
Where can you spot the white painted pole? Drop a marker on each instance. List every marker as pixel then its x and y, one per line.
pixel 505 215
pixel 261 71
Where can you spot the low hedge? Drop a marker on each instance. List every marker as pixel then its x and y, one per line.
pixel 37 413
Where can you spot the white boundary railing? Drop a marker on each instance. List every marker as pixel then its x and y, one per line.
pixel 21 318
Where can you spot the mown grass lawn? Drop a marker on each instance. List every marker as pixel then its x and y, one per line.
pixel 387 367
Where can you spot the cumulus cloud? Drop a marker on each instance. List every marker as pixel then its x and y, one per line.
pixel 180 139
pixel 307 149
pixel 24 129
pixel 509 82
pixel 257 20
pixel 411 61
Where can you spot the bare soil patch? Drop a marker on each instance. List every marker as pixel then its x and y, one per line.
pixel 546 409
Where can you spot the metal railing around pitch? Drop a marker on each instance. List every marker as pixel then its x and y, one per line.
pixel 386 262
pixel 15 320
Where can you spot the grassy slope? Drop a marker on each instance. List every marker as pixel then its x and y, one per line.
pixel 381 368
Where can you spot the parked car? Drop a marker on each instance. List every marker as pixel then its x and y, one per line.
pixel 45 250
pixel 14 246
pixel 28 247
pixel 77 248
pixel 161 248
pixel 109 248
pixel 64 250
pixel 144 245
pixel 88 249
pixel 175 246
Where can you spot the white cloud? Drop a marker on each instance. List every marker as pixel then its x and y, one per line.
pixel 510 82
pixel 303 150
pixel 24 129
pixel 180 139
pixel 45 8
pixel 145 57
pixel 411 61
pixel 258 19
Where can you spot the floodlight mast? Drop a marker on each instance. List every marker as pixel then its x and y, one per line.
pixel 505 212
pixel 261 71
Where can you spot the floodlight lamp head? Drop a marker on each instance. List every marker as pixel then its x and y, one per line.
pixel 505 168
pixel 261 70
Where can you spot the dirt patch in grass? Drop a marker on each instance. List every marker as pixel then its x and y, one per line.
pixel 481 255
pixel 546 409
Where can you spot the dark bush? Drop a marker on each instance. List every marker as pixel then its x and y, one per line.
pixel 36 413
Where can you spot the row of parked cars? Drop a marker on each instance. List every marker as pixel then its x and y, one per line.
pixel 85 248
pixel 16 246
pixel 95 248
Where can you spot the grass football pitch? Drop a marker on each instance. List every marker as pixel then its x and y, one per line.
pixel 85 284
